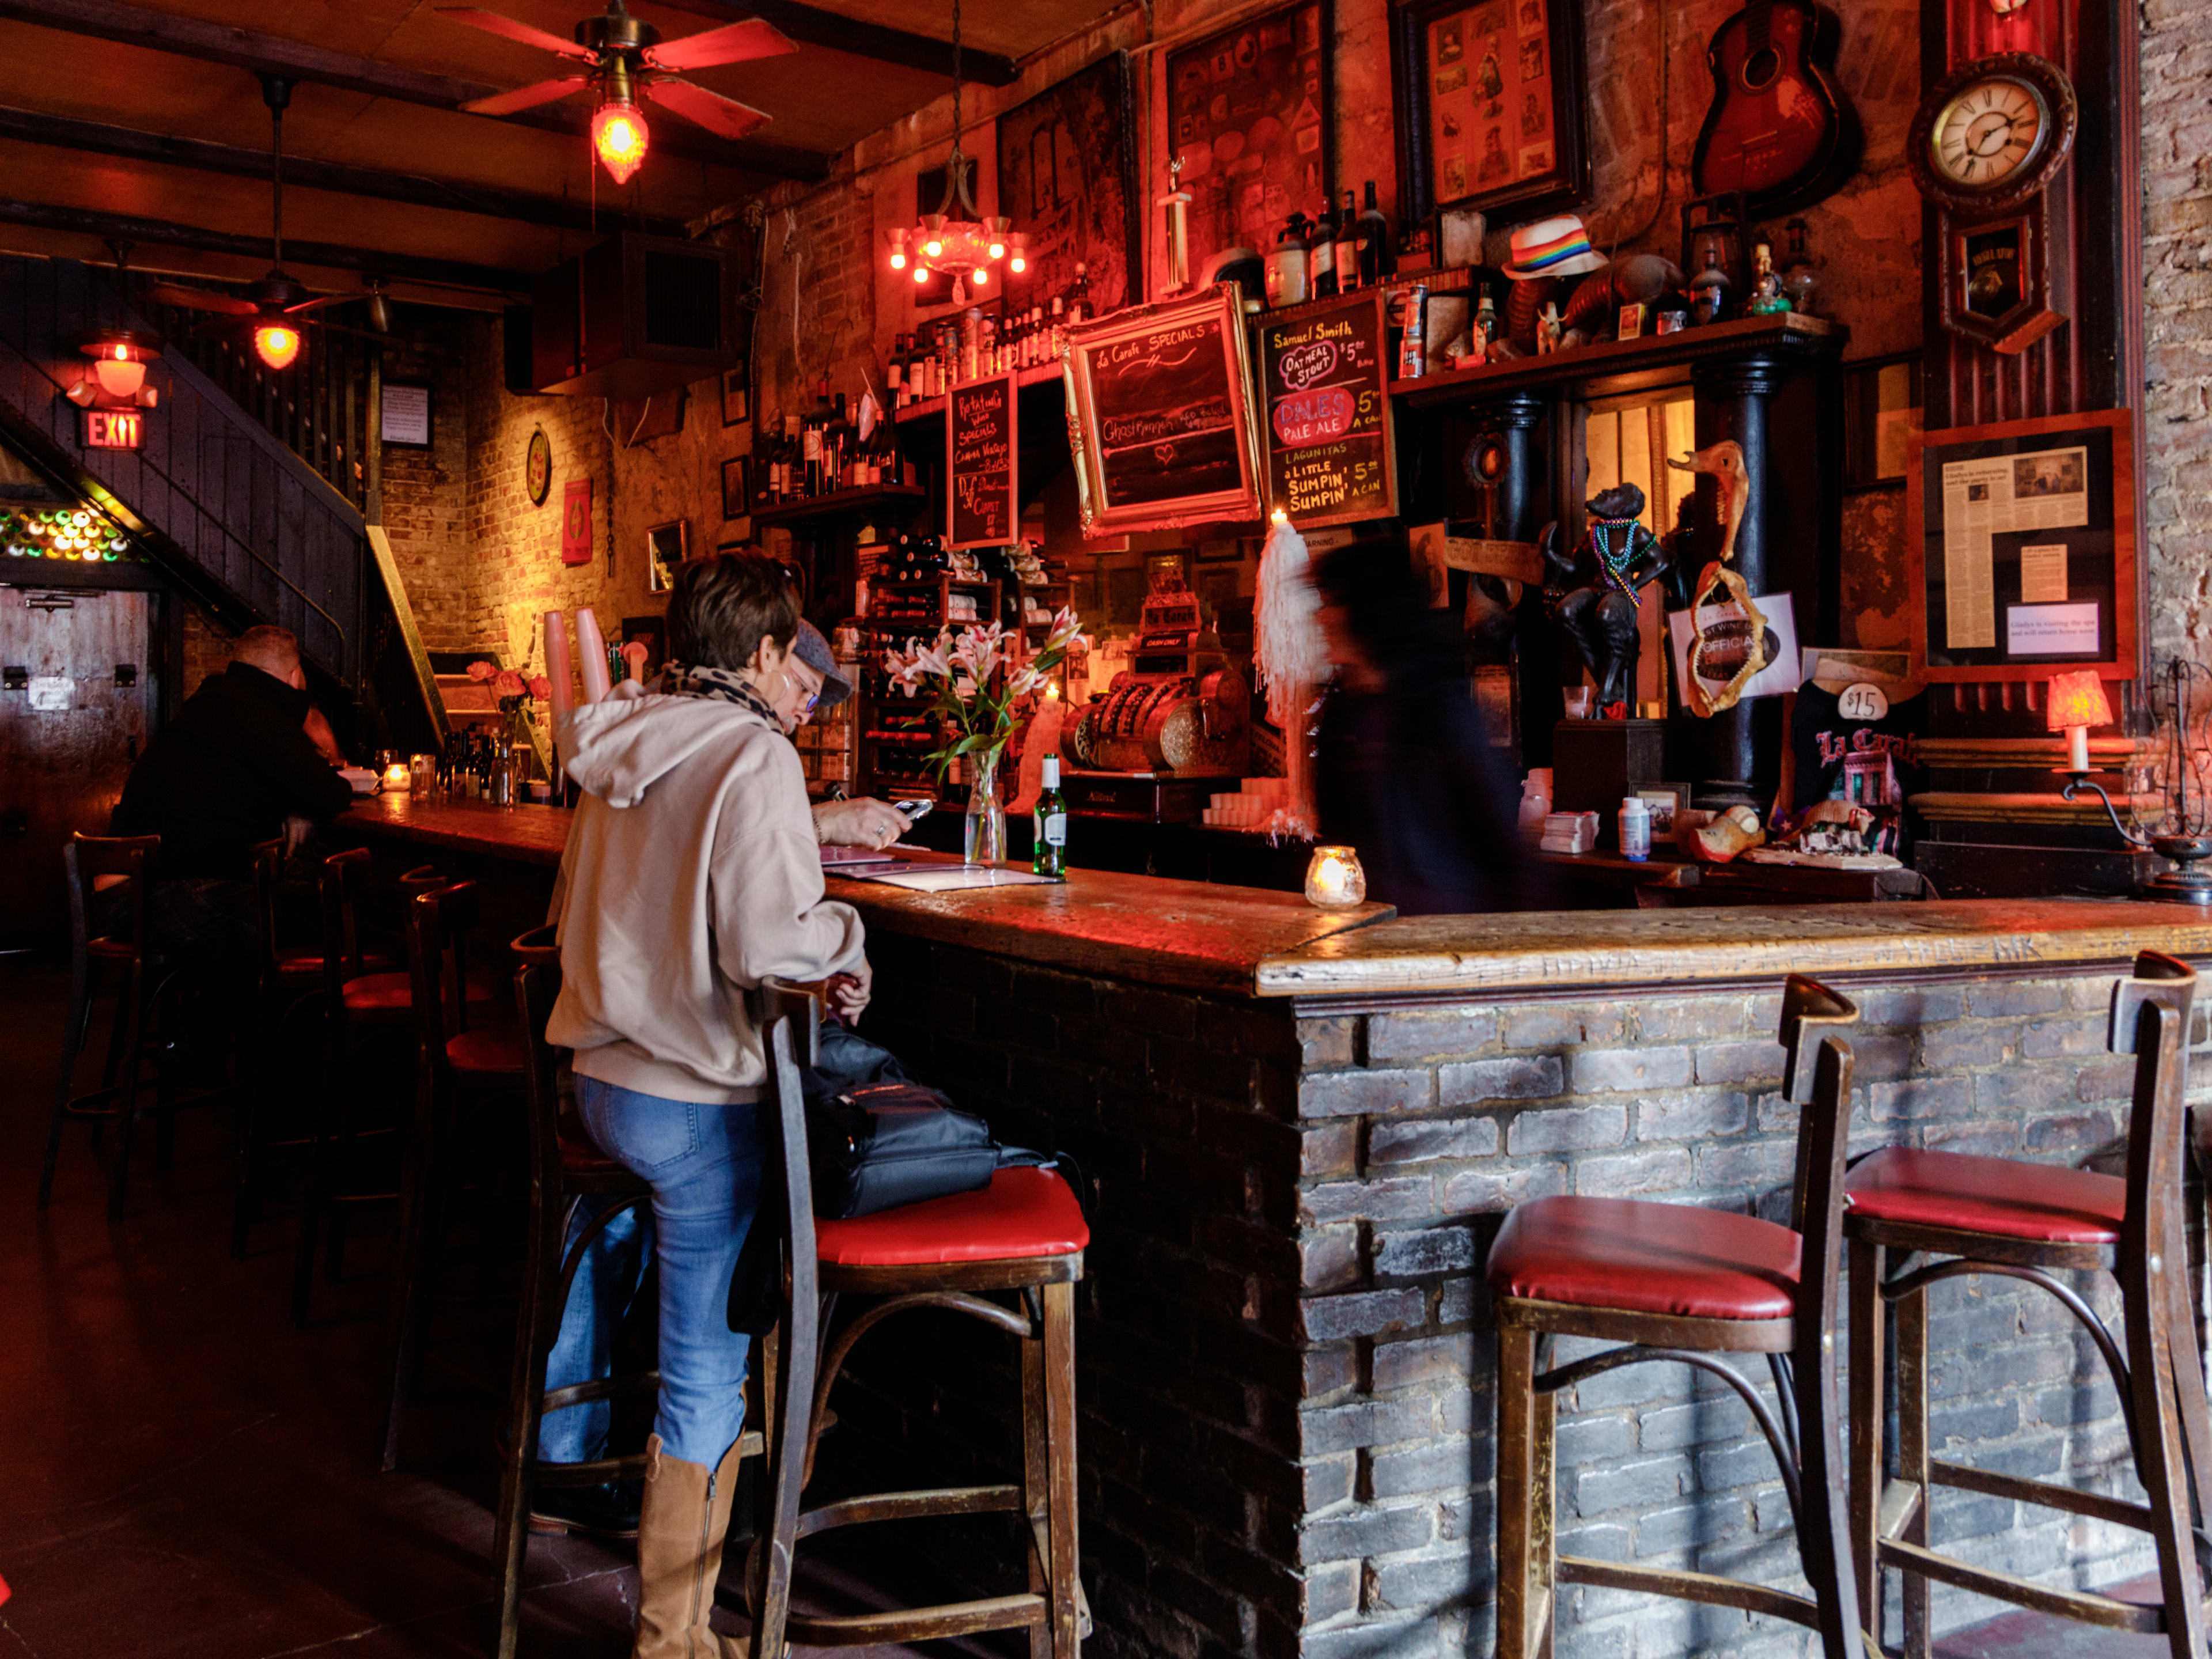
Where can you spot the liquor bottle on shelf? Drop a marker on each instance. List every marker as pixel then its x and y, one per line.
pixel 1078 294
pixel 1321 258
pixel 1347 247
pixel 895 372
pixel 1059 325
pixel 1485 325
pixel 1376 261
pixel 1049 854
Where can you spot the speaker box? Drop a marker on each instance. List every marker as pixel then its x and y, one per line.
pixel 634 315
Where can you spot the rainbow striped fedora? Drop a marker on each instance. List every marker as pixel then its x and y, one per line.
pixel 1553 247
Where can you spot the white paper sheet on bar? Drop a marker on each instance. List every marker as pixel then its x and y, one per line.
pixel 948 878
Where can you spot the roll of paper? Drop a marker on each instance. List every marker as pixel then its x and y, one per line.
pixel 592 646
pixel 558 668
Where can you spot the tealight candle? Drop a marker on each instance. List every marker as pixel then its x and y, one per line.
pixel 1334 880
pixel 397 778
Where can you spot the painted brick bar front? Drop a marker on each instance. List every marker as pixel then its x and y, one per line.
pixel 1286 1360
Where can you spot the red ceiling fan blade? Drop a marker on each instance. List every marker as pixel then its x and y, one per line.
pixel 718 114
pixel 321 301
pixel 522 98
pixel 199 299
pixel 495 23
pixel 733 43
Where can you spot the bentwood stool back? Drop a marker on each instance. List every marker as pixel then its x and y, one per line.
pixel 460 1066
pixel 1988 1216
pixel 135 1045
pixel 1679 1282
pixel 565 1169
pixel 362 1004
pixel 1024 1234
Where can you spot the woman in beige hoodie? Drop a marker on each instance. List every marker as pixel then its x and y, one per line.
pixel 691 874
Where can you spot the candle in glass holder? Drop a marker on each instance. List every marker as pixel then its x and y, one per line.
pixel 1334 880
pixel 423 774
pixel 397 778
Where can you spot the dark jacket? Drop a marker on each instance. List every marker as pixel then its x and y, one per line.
pixel 1404 778
pixel 225 773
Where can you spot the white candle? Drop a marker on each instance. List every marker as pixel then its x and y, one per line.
pixel 592 646
pixel 2078 749
pixel 558 668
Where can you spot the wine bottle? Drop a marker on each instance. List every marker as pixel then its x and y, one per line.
pixel 1347 247
pixel 895 375
pixel 1375 259
pixel 1078 294
pixel 1321 258
pixel 1049 854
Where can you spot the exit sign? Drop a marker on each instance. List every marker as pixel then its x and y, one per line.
pixel 113 429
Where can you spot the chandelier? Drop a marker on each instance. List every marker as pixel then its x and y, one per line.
pixel 965 247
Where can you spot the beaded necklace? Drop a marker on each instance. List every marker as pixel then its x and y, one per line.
pixel 1613 567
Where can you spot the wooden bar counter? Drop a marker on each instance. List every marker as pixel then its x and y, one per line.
pixel 1304 1129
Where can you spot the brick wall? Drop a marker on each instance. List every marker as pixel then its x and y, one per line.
pixel 1285 1355
pixel 2177 139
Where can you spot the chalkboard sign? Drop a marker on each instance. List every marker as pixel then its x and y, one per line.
pixel 1322 369
pixel 982 508
pixel 1159 402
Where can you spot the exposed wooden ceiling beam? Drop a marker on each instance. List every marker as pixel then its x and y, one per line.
pixel 109 226
pixel 29 126
pixel 270 54
pixel 815 28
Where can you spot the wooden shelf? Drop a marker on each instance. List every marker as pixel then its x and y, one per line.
pixel 842 504
pixel 1646 357
pixel 934 408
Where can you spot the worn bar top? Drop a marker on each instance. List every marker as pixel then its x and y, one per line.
pixel 1513 954
pixel 1192 935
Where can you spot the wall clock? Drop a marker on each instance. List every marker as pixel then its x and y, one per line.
pixel 538 467
pixel 1984 145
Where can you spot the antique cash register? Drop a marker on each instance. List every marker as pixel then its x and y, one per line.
pixel 1172 726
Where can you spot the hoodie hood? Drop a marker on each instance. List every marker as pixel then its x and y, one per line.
pixel 616 748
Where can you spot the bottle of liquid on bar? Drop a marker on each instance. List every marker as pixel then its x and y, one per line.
pixel 1048 856
pixel 1347 247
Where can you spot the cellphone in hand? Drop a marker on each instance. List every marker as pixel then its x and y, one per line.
pixel 913 811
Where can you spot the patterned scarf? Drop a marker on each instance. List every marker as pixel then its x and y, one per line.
pixel 684 679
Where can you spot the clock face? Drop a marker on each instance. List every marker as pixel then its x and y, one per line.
pixel 1989 131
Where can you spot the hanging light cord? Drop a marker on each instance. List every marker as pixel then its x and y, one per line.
pixel 277 170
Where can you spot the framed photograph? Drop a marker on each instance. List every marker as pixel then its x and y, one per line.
pixel 666 546
pixel 1067 177
pixel 737 394
pixel 1491 106
pixel 737 487
pixel 1160 401
pixel 405 416
pixel 1250 112
pixel 1883 398
pixel 2020 545
pixel 1631 326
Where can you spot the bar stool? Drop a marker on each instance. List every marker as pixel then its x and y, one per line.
pixel 1025 1233
pixel 460 1065
pixel 360 1007
pixel 1679 1282
pixel 2016 1220
pixel 565 1167
pixel 149 986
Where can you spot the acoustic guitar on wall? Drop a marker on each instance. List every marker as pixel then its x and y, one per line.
pixel 1780 129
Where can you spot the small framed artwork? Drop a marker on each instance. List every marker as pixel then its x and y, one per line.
pixel 737 394
pixel 404 417
pixel 1631 323
pixel 737 487
pixel 1882 402
pixel 666 546
pixel 1492 107
pixel 576 522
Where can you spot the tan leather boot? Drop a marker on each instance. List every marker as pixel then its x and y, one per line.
pixel 680 1529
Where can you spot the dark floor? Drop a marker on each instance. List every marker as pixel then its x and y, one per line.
pixel 184 1474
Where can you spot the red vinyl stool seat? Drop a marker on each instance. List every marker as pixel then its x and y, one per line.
pixel 1674 1258
pixel 1996 1197
pixel 393 995
pixel 1021 1213
pixel 487 1051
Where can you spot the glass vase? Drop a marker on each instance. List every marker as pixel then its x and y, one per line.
pixel 985 841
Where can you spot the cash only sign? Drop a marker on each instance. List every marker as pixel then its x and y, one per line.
pixel 1330 455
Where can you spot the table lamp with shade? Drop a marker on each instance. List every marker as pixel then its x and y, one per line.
pixel 2177 696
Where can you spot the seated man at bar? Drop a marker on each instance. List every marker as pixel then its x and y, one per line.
pixel 1401 771
pixel 691 873
pixel 816 683
pixel 236 766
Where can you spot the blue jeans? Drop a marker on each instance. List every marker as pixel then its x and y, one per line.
pixel 704 1164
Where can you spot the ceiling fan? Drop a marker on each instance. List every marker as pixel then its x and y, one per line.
pixel 625 57
pixel 276 305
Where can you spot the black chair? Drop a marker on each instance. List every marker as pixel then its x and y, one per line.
pixel 144 1036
